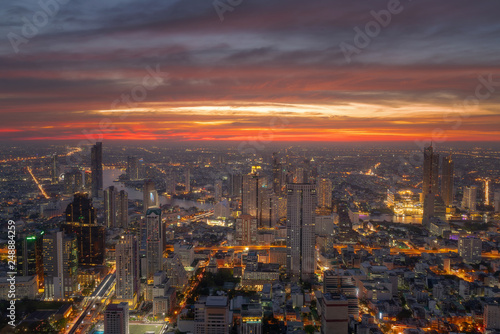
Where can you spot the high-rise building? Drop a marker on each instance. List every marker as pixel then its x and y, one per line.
pixel 218 190
pixel 470 249
pixel 251 318
pixel 277 174
pixel 132 168
pixel 96 169
pixel 171 182
pixel 187 180
pixel 122 209
pixel 30 256
pixel 211 315
pixel 339 282
pixel 155 242
pixel 110 207
pixel 496 203
pixel 149 196
pixel 116 319
pixel 300 243
pixel 236 185
pixel 447 181
pixel 254 186
pixel 492 317
pixel 54 171
pixel 487 183
pixel 334 314
pixel 324 193
pixel 246 230
pixel 431 172
pixel 81 222
pixel 60 264
pixel 73 181
pixel 470 198
pixel 127 270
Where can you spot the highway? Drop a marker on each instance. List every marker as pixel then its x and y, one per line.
pixel 101 291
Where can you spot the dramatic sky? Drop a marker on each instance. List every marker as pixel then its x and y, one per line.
pixel 270 70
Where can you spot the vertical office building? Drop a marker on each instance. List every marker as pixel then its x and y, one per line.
pixel 81 223
pixel 236 185
pixel 470 198
pixel 155 242
pixel 73 181
pixel 122 209
pixel 324 193
pixel 149 196
pixel 132 168
pixel 171 182
pixel 447 181
pixel 430 171
pixel 187 180
pixel 116 319
pixel 30 256
pixel 60 256
pixel 110 207
pixel 96 169
pixel 246 230
pixel 470 249
pixel 127 270
pixel 254 186
pixel 300 243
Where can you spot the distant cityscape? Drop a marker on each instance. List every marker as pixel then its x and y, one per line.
pixel 333 239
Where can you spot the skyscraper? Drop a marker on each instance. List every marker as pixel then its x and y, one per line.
pixel 155 242
pixel 470 198
pixel 54 172
pixel 431 172
pixel 447 181
pixel 122 209
pixel 110 207
pixel 470 249
pixel 300 242
pixel 127 270
pixel 132 168
pixel 116 319
pixel 236 185
pixel 218 190
pixel 246 230
pixel 187 180
pixel 253 183
pixel 81 222
pixel 277 179
pixel 30 256
pixel 96 169
pixel 149 196
pixel 325 193
pixel 171 182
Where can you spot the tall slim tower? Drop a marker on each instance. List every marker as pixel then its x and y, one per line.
pixel 300 242
pixel 253 183
pixel 127 269
pixel 55 176
pixel 325 193
pixel 132 168
pixel 431 172
pixel 470 198
pixel 122 209
pixel 149 196
pixel 187 180
pixel 155 242
pixel 447 181
pixel 218 190
pixel 96 169
pixel 110 207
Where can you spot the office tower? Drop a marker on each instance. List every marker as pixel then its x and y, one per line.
pixel 334 314
pixel 54 172
pixel 268 208
pixel 127 270
pixel 96 169
pixel 60 256
pixel 492 317
pixel 187 180
pixel 171 182
pixel 251 318
pixel 73 181
pixel 116 319
pixel 487 191
pixel 339 282
pixel 470 249
pixel 325 193
pixel 300 243
pixel 253 185
pixel 218 190
pixel 132 168
pixel 87 180
pixel 470 198
pixel 110 207
pixel 155 242
pixel 81 223
pixel 497 201
pixel 122 209
pixel 447 181
pixel 149 196
pixel 246 230
pixel 433 208
pixel 30 256
pixel 236 185
pixel 431 172
pixel 211 315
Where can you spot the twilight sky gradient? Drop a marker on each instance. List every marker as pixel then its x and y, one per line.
pixel 270 68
